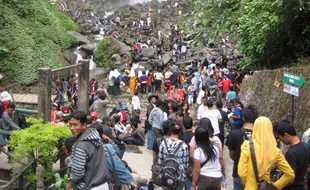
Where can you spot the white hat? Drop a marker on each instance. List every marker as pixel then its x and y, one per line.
pixel 6 96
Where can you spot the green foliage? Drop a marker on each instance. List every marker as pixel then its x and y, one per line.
pixel 104 52
pixel 60 183
pixel 269 33
pixel 40 141
pixel 35 32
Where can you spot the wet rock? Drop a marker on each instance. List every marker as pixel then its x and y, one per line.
pixel 144 59
pixel 96 31
pixel 88 48
pixel 69 56
pixel 81 39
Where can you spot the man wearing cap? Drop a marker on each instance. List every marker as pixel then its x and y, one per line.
pixel 152 99
pixel 93 117
pixel 59 119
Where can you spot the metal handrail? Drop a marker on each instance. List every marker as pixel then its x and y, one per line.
pixel 18 177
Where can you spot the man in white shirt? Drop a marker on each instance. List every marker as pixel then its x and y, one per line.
pixel 200 95
pixel 158 80
pixel 214 115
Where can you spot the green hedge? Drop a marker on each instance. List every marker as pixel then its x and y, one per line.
pixel 35 33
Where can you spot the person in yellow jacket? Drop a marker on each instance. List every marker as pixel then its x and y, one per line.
pixel 267 154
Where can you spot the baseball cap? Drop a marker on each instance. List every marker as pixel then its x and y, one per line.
pixel 93 115
pixel 59 114
pixel 55 104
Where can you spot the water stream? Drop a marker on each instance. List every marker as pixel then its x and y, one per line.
pixel 112 6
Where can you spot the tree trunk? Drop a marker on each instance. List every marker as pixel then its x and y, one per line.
pixel 40 177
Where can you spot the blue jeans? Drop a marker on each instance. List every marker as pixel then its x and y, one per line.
pixel 150 139
pixel 188 184
pixel 238 185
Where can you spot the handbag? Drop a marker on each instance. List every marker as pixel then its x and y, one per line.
pixel 261 185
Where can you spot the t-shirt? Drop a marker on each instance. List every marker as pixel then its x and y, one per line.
pixel 214 116
pixel 158 76
pixel 238 111
pixel 234 142
pixel 187 136
pixel 231 95
pixel 212 168
pixel 298 158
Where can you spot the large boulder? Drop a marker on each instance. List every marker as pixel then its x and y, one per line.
pixel 88 48
pixel 69 57
pixel 166 58
pixel 148 52
pixel 122 48
pixel 81 39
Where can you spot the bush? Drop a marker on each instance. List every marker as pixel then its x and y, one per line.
pixel 35 32
pixel 104 52
pixel 41 142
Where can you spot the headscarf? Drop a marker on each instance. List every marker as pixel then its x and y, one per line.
pixel 139 74
pixel 265 144
pixel 132 73
pixel 6 96
pixel 111 74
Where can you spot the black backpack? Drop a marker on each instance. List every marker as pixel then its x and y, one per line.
pixel 170 173
pixel 156 168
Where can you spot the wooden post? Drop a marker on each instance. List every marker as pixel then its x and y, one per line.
pixel 83 88
pixel 44 99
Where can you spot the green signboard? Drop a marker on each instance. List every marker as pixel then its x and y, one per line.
pixel 293 79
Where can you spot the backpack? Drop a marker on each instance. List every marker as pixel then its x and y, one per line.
pixel 156 168
pixel 170 173
pixel 117 81
pixel 124 116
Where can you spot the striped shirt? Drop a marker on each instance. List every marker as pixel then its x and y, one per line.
pixel 182 154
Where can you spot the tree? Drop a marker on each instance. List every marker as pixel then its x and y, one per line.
pixel 42 143
pixel 269 33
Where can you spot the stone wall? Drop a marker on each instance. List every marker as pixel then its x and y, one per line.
pixel 265 89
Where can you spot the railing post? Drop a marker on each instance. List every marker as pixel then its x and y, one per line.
pixel 21 181
pixel 44 99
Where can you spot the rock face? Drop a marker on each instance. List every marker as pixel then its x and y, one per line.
pixel 265 89
pixel 81 39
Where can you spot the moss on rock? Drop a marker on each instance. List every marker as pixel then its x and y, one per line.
pixel 265 89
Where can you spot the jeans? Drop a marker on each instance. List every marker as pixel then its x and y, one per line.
pixel 133 141
pixel 238 185
pixel 150 139
pixel 188 184
pixel 179 187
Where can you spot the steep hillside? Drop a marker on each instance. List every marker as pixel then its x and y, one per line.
pixel 35 33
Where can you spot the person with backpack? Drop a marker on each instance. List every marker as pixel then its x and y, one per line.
pixel 207 167
pixel 174 157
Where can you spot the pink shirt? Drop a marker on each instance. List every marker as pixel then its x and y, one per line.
pixel 193 144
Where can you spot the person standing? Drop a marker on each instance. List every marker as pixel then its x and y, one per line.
pixel 152 100
pixel 100 105
pixel 156 120
pixel 214 115
pixel 236 138
pixel 297 155
pixel 267 154
pixel 89 168
pixel 132 81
